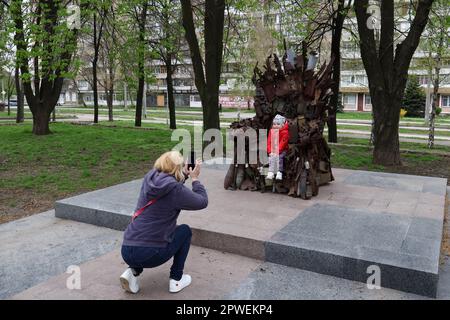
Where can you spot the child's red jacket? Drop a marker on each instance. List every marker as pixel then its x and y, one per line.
pixel 283 138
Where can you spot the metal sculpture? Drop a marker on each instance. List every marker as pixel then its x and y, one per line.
pixel 293 89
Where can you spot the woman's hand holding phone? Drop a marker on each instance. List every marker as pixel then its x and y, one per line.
pixel 194 173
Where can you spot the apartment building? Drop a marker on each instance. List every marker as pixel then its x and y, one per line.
pixel 353 83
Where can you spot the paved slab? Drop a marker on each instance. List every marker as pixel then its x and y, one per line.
pixel 265 281
pixel 36 248
pixel 362 218
pixel 273 281
pixel 214 275
pixel 345 242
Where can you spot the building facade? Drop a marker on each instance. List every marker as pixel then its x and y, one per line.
pixel 353 83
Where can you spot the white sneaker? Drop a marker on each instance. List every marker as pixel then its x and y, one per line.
pixel 270 176
pixel 129 282
pixel 279 175
pixel 177 286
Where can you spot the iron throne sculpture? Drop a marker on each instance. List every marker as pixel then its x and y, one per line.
pixel 294 90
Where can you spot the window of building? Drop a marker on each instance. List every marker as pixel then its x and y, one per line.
pixel 347 79
pixel 445 101
pixel 195 98
pixel 82 84
pixel 361 80
pixel 423 80
pixel 368 99
pixel 349 99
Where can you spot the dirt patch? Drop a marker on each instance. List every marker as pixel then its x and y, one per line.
pixel 436 168
pixel 16 204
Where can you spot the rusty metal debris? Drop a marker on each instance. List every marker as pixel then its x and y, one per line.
pixel 294 90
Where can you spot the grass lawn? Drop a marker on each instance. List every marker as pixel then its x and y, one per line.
pixel 360 157
pixel 36 171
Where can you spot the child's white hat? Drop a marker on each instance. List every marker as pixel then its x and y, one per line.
pixel 279 119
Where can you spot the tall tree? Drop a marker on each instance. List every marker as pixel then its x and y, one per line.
pixel 166 42
pixel 44 41
pixel 141 15
pixel 414 99
pixel 337 27
pixel 436 44
pixel 98 22
pixel 109 51
pixel 207 71
pixel 387 71
pixel 20 116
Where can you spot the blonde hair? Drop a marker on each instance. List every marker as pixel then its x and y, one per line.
pixel 172 163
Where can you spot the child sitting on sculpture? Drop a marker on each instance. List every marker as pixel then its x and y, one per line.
pixel 277 146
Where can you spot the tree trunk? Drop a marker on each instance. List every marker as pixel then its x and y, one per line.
pixel 140 97
pixel 9 106
pixel 41 118
pixel 110 103
pixel 388 72
pixel 386 118
pixel 94 70
pixel 338 23
pixel 207 81
pixel 210 102
pixel 43 99
pixel 214 25
pixel 20 97
pixel 141 66
pixel 95 89
pixel 433 107
pixel 171 100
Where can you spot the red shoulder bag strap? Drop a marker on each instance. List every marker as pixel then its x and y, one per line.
pixel 137 213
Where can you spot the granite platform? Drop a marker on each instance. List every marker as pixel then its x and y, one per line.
pixel 362 219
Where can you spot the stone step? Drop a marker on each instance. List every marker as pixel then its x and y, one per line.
pixel 362 219
pixel 215 274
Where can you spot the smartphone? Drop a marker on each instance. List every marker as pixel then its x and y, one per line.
pixel 191 163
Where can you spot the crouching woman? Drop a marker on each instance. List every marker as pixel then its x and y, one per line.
pixel 153 237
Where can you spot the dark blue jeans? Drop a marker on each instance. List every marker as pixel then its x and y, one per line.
pixel 139 258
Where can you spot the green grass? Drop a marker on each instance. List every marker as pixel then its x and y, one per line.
pixel 360 158
pixel 80 158
pixel 74 159
pixel 353 158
